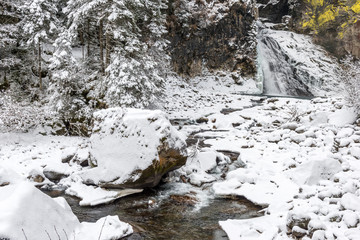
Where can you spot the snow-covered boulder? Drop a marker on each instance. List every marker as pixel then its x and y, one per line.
pixel 316 169
pixel 132 148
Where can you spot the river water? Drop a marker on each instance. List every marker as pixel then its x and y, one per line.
pixel 156 214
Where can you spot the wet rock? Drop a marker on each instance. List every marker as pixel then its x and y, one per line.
pixel 273 11
pixel 184 200
pixel 53 175
pixel 202 120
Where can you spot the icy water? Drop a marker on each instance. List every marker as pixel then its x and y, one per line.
pixel 154 214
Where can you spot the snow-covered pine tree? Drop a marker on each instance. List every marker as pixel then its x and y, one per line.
pixel 40 26
pixel 135 75
pixel 131 47
pixel 9 36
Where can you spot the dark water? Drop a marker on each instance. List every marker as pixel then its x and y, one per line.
pixel 170 217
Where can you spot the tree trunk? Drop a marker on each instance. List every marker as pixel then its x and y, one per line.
pixel 82 42
pixel 39 64
pixel 108 48
pixel 88 38
pixel 101 46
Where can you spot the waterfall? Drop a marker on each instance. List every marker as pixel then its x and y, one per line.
pixel 276 69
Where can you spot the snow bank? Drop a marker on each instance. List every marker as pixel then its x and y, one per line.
pixel 27 213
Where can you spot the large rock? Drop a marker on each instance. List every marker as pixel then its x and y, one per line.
pixel 133 148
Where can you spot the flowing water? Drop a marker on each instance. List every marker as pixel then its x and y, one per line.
pixel 276 70
pixel 156 214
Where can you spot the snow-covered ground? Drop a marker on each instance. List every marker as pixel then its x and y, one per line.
pixel 301 160
pixel 298 158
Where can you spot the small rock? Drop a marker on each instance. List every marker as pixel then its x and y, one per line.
pixel 315 225
pixel 53 175
pixel 299 220
pixel 291 125
pixel 37 178
pixel 298 232
pixel 272 100
pixel 68 154
pixel 184 200
pixel 351 219
pixel 202 120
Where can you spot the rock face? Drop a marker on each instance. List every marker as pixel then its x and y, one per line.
pixel 212 34
pixel 333 24
pixel 133 148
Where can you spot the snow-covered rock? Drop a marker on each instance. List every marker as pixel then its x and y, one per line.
pixel 316 169
pixel 105 228
pixel 133 148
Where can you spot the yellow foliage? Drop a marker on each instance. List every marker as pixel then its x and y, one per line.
pixel 320 14
pixel 356 7
pixel 316 2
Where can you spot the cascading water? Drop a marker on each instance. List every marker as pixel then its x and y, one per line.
pixel 276 71
pixel 289 64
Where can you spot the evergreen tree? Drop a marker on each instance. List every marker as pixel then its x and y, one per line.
pixel 40 25
pixel 9 36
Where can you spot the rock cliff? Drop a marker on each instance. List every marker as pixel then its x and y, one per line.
pixel 212 34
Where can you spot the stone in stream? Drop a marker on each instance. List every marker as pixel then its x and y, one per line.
pixel 133 148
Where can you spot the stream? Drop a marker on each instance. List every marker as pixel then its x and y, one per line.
pixel 174 210
pixel 156 214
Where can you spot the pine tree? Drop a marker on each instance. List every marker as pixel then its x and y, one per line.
pixel 131 52
pixel 9 36
pixel 136 74
pixel 40 26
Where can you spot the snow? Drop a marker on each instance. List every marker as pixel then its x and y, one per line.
pixel 26 211
pixel 297 158
pixel 109 227
pixel 127 140
pixel 300 159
